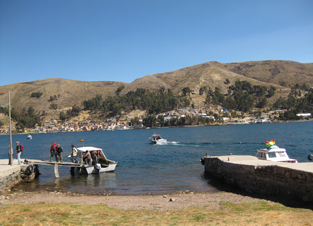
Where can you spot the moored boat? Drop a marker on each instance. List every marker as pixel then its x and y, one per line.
pixel 274 153
pixel 29 137
pixel 98 164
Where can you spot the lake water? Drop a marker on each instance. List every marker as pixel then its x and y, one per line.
pixel 158 169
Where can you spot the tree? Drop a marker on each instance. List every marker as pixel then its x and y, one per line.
pixel 62 116
pixel 119 90
pixel 291 101
pixel 53 106
pixel 31 111
pixel 149 121
pixel 186 91
pixel 161 90
pixel 203 90
pixel 36 94
pixel 262 102
pixel 271 91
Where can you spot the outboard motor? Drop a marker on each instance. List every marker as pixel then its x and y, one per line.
pixel 98 166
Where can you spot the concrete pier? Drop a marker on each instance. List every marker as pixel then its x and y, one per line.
pixel 26 172
pixel 261 176
pixel 9 175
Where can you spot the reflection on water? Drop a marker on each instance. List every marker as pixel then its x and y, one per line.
pixel 144 168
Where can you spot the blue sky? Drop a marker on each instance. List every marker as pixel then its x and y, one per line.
pixel 122 40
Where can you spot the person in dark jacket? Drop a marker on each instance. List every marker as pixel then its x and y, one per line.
pixel 18 152
pixel 59 152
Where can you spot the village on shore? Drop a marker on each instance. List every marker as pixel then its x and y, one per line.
pixel 55 125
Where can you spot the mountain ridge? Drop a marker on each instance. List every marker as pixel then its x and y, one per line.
pixel 281 74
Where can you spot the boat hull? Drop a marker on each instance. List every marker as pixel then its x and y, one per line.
pixel 93 170
pixel 160 141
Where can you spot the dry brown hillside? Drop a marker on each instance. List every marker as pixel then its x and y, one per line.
pixel 274 71
pixel 68 92
pixel 211 74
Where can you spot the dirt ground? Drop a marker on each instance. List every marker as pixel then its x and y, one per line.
pixel 179 200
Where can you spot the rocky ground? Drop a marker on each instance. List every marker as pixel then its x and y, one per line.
pixel 179 200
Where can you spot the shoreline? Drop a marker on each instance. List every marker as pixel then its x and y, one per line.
pixel 214 124
pixel 175 201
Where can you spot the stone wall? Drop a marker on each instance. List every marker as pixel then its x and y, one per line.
pixel 8 181
pixel 26 173
pixel 266 179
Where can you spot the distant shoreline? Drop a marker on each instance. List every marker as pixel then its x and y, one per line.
pixel 215 124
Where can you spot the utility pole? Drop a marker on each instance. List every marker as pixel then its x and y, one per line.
pixel 11 148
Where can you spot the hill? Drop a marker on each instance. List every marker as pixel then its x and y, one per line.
pixel 67 92
pixel 63 94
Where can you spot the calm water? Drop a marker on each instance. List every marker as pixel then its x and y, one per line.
pixel 144 168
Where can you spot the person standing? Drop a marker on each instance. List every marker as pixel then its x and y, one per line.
pixel 18 152
pixel 87 157
pixel 59 152
pixel 74 154
pixel 53 152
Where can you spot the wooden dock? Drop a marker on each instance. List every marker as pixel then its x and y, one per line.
pixel 53 163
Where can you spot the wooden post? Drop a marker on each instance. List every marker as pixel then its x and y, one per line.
pixel 56 170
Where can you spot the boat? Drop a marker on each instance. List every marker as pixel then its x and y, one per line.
pixel 157 139
pixel 29 137
pixel 274 153
pixel 100 163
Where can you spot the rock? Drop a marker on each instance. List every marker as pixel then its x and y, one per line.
pixel 164 196
pixel 171 200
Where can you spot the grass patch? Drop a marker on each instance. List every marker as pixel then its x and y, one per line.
pixel 229 213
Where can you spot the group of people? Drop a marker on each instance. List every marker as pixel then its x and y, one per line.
pixel 56 151
pixel 89 157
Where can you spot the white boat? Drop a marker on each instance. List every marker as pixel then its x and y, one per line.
pixel 157 139
pixel 276 154
pixel 100 163
pixel 29 137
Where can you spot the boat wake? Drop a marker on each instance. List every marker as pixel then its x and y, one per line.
pixel 169 143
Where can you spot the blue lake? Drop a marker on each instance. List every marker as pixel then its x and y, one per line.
pixel 157 169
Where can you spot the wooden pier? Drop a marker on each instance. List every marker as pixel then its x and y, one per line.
pixel 53 163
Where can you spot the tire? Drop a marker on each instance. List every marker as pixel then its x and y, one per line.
pixel 29 170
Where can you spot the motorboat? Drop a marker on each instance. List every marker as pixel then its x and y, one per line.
pixel 157 139
pixel 100 163
pixel 274 153
pixel 29 137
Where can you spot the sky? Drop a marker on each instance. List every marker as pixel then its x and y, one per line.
pixel 122 40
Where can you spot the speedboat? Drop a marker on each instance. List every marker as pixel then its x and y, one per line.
pixel 274 153
pixel 29 137
pixel 100 163
pixel 157 139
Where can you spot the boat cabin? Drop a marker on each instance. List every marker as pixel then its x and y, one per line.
pixel 275 154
